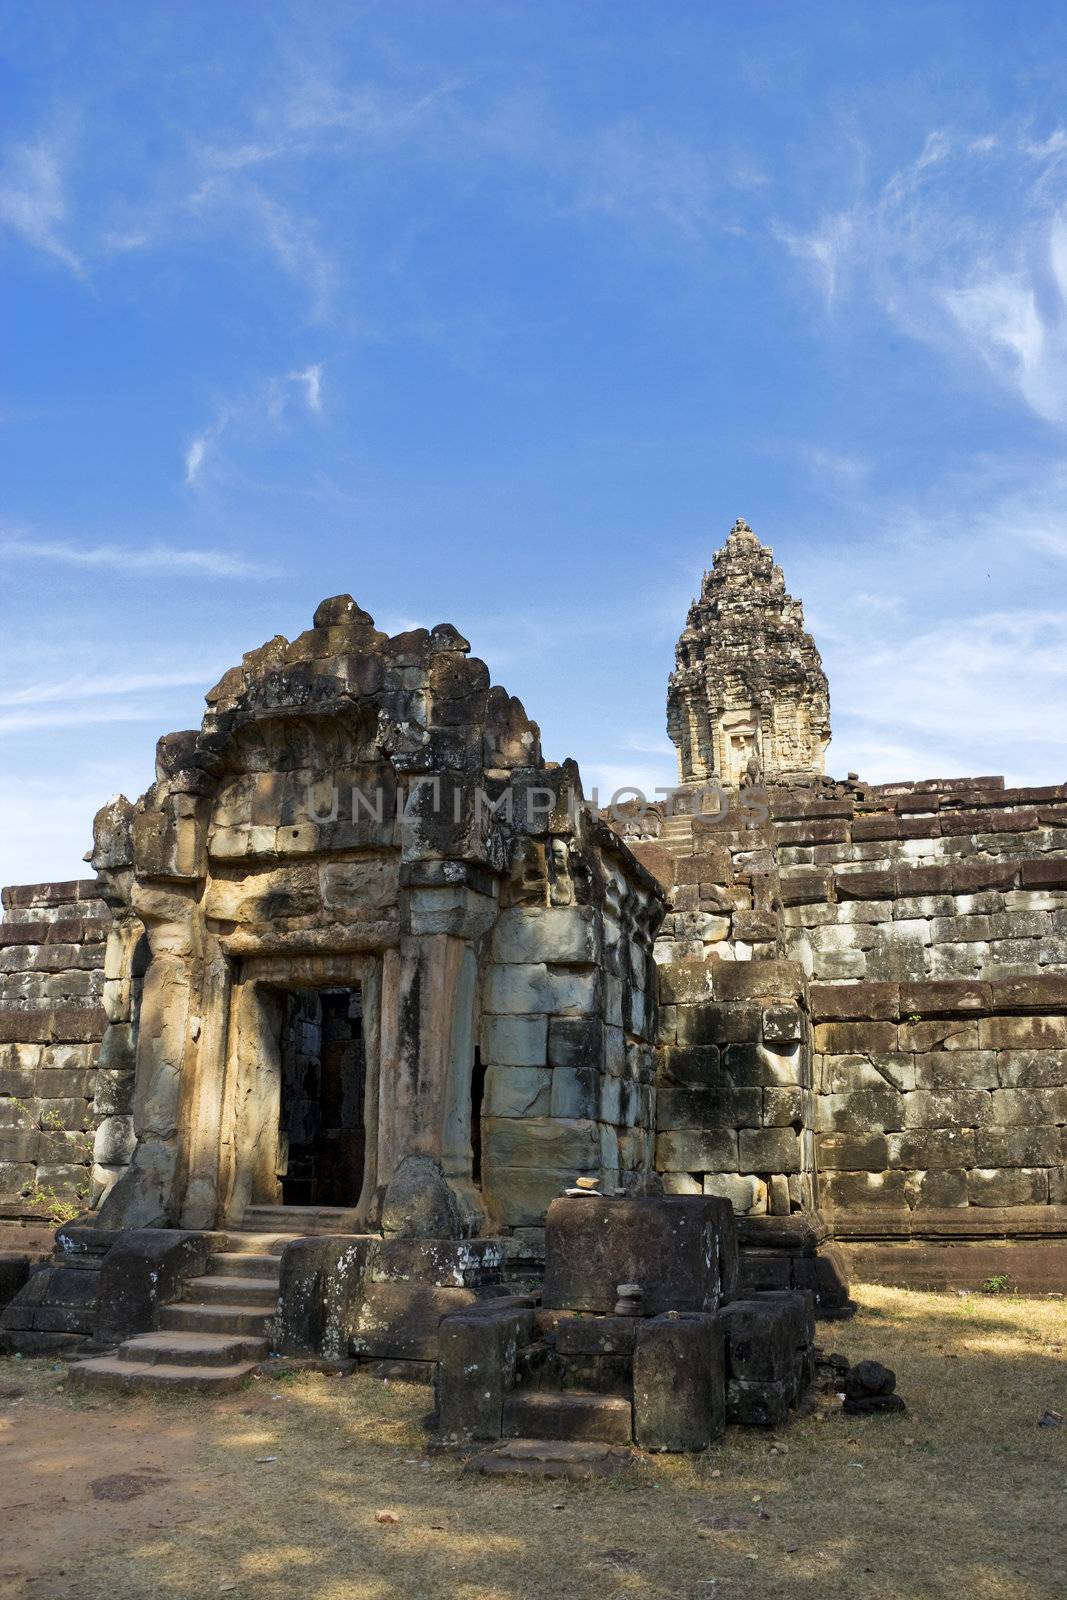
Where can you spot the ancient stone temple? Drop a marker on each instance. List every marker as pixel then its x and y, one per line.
pixel 362 986
pixel 748 698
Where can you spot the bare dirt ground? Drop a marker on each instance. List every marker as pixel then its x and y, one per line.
pixel 272 1492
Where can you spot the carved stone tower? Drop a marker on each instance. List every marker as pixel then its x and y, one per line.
pixel 748 698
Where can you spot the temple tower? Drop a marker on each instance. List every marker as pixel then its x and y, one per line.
pixel 748 699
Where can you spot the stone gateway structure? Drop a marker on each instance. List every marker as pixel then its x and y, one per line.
pixel 362 985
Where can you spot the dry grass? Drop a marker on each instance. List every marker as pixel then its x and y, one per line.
pixel 962 1497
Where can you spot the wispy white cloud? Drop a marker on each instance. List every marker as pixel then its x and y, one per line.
pixel 33 202
pixel 76 716
pixel 195 456
pixel 264 406
pixel 134 558
pixel 965 247
pixel 311 378
pixel 91 688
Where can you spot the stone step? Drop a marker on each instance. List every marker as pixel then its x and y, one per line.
pixel 228 1264
pixel 253 1242
pixel 109 1372
pixel 302 1221
pixel 567 1414
pixel 178 1348
pixel 550 1458
pixel 232 1319
pixel 258 1292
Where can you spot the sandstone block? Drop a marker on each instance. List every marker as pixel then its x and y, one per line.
pixel 956 1069
pixel 932 1147
pixel 517 1091
pixel 114 1141
pixel 1007 1187
pixel 691 1066
pixel 859 1001
pixel 718 1024
pixel 575 1093
pixel 566 934
pixel 944 999
pixel 685 982
pixel 1015 1033
pixel 1032 1069
pixel 855 1038
pixel 540 1142
pixel 515 1041
pixel 773 1150
pixel 947 1108
pixel 852 1152
pixel 400 1321
pixel 114 1093
pixel 864 1191
pixel 1019 1108
pixel 18 1145
pixel 781 1024
pixel 478 1355
pixel 1018 1147
pixel 575 1042
pixel 936 1190
pixel 679 1382
pixel 681 1250
pixel 870 1109
pixel 955 1034
pixel 782 1106
pixel 524 989
pixel 746 1193
pixel 697 1151
pixel 708 1108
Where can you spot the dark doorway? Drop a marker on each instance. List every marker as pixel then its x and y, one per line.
pixel 323 1136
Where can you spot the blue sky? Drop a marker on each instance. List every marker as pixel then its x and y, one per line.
pixel 500 314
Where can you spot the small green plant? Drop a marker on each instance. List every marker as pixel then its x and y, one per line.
pixel 46 1121
pixel 54 1207
pixel 914 1017
pixel 997 1283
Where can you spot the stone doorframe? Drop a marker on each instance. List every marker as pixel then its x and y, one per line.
pixel 251 1095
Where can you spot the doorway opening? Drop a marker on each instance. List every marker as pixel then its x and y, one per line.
pixel 477 1097
pixel 322 1128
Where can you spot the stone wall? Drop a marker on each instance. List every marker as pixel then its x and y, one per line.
pixel 52 944
pixel 932 919
pixel 568 1016
pixel 924 927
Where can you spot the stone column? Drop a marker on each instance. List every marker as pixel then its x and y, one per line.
pixel 425 1131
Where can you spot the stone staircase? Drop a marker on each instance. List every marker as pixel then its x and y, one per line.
pixel 212 1339
pixel 676 834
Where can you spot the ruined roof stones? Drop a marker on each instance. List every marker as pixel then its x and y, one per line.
pixel 748 698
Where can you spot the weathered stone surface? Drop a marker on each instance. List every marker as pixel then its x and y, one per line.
pixel 775 1150
pixel 761 1347
pixel 477 1357
pixel 142 1271
pixel 319 1294
pixel 596 1335
pixel 399 1321
pixel 679 1382
pixel 703 1150
pixel 681 1250
pixel 515 1041
pixel 744 641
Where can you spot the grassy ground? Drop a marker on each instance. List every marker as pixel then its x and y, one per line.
pixel 964 1496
